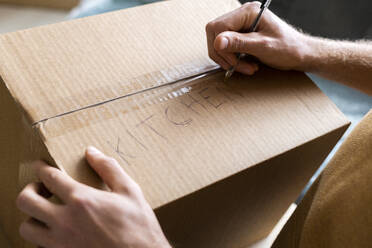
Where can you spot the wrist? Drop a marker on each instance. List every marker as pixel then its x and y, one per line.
pixel 313 53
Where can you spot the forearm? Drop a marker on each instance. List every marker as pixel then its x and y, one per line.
pixel 347 62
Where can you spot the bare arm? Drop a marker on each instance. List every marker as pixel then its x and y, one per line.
pixel 347 62
pixel 281 46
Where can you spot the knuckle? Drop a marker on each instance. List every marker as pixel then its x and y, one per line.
pixel 23 230
pixel 51 175
pixel 133 189
pixel 210 26
pixel 253 4
pixel 266 43
pixel 237 43
pixel 252 7
pixel 80 201
pixel 74 196
pixel 22 199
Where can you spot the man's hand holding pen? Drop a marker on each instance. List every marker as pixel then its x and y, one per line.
pixel 274 43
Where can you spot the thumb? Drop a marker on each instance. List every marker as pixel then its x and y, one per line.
pixel 109 170
pixel 234 42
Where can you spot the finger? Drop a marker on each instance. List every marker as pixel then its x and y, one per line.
pixel 240 65
pixel 56 181
pixel 211 35
pixel 109 170
pixel 35 233
pixel 231 58
pixel 33 204
pixel 248 68
pixel 239 19
pixel 233 42
pixel 219 60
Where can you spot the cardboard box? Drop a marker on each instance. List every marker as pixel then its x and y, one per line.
pixel 3 240
pixel 63 4
pixel 220 163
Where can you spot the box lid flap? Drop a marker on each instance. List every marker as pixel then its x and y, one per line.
pixel 63 67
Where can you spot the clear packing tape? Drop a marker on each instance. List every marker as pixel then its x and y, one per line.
pixel 201 81
pixel 151 84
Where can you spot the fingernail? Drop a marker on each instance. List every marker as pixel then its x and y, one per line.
pixel 224 43
pixel 93 151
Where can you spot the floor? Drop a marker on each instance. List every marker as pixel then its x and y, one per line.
pixel 352 103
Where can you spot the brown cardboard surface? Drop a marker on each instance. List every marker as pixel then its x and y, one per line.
pixel 107 81
pixel 244 208
pixel 3 240
pixel 19 145
pixel 64 4
pixel 173 137
pixel 267 241
pixel 99 58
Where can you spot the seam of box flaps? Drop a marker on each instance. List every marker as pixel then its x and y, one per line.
pixel 188 78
